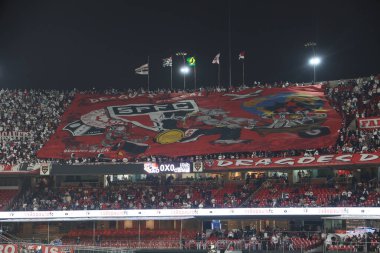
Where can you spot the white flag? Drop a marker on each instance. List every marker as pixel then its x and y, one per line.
pixel 143 70
pixel 167 62
pixel 216 59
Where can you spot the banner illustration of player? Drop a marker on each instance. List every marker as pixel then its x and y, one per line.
pixel 196 124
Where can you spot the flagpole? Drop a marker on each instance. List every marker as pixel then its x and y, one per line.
pixel 148 72
pixel 229 41
pixel 184 76
pixel 195 78
pixel 171 76
pixel 219 75
pixel 183 54
pixel 243 74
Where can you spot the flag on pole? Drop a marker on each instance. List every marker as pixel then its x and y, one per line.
pixel 216 59
pixel 242 55
pixel 143 70
pixel 167 62
pixel 191 61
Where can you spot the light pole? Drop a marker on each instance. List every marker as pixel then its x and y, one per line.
pixel 315 60
pixel 183 54
pixel 184 70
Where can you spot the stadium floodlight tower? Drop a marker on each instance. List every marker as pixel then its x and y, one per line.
pixel 184 70
pixel 183 54
pixel 314 61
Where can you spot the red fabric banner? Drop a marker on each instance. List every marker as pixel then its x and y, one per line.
pixel 195 124
pixel 22 168
pixel 15 248
pixel 292 162
pixel 369 123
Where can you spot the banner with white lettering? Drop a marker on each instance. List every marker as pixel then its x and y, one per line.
pixel 167 168
pixel 14 135
pixel 15 248
pixel 292 162
pixel 369 123
pixel 186 124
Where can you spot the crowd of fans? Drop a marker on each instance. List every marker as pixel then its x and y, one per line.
pixel 330 194
pixel 366 242
pixel 144 195
pixel 211 193
pixel 37 113
pixel 356 99
pixel 267 239
pixel 249 238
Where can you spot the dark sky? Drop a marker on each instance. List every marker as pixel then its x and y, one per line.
pixel 93 43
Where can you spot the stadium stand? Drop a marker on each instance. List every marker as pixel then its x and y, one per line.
pixel 6 197
pixel 309 195
pixel 34 112
pixel 130 196
pixel 202 194
pixel 38 112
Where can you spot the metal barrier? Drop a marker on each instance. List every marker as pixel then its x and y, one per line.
pixel 128 246
pixel 248 246
pixel 101 250
pixel 22 247
pixel 224 245
pixel 360 246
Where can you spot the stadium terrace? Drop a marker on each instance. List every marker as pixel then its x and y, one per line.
pixel 266 167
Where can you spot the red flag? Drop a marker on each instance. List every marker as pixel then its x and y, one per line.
pixel 242 55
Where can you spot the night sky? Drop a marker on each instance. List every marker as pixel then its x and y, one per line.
pixel 93 43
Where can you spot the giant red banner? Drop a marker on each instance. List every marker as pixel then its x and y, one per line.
pixel 195 124
pixel 325 161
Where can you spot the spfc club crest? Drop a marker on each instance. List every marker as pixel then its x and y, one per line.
pixel 198 166
pixel 45 169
